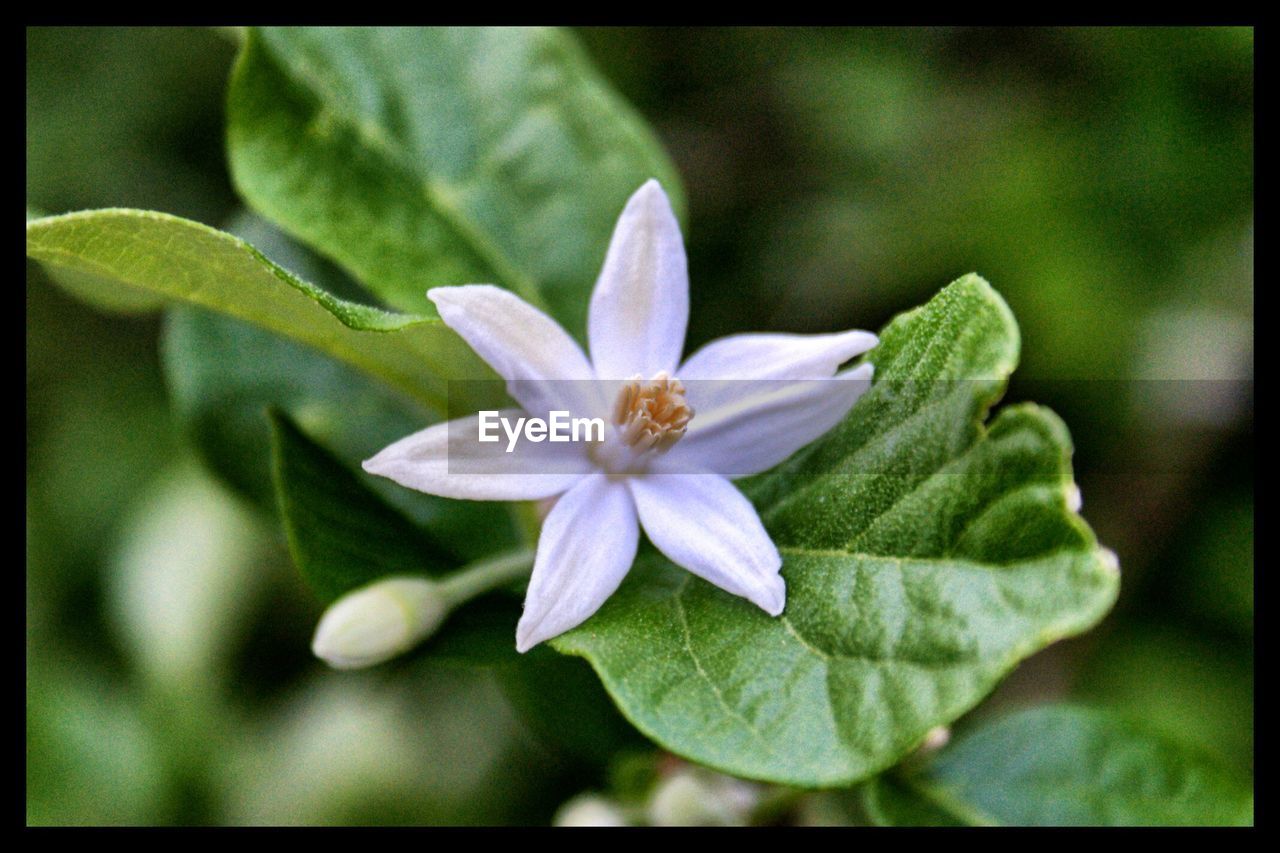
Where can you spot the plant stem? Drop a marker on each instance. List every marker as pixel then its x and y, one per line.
pixel 524 515
pixel 484 575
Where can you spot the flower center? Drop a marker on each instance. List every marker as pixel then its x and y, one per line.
pixel 652 414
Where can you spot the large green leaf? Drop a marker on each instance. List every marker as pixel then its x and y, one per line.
pixel 425 157
pixel 142 259
pixel 1060 766
pixel 925 554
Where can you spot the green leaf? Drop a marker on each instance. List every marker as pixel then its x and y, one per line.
pixel 223 374
pixel 141 259
pixel 341 535
pixel 426 157
pixel 562 702
pixel 890 802
pixel 1064 765
pixel 925 554
pixel 1192 686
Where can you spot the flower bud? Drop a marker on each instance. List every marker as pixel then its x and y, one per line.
pixel 695 797
pixel 589 810
pixel 377 622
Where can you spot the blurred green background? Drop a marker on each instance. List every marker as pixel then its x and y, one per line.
pixel 1102 180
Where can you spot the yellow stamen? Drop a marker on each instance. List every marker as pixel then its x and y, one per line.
pixel 652 414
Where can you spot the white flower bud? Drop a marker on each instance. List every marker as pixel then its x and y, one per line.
pixel 379 621
pixel 589 810
pixel 694 797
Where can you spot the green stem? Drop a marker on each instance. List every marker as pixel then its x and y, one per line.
pixel 484 575
pixel 524 515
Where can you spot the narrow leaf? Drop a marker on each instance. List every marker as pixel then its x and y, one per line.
pixel 140 259
pixel 341 535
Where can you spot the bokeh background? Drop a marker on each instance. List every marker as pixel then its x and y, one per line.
pixel 1101 179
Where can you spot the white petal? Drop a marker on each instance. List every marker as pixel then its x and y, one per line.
pixel 587 545
pixel 448 460
pixel 749 433
pixel 739 359
pixel 640 306
pixel 523 345
pixel 776 356
pixel 703 523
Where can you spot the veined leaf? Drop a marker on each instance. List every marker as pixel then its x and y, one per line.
pixel 427 157
pixel 1060 766
pixel 925 554
pixel 141 259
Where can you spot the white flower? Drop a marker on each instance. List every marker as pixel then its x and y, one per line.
pixel 676 432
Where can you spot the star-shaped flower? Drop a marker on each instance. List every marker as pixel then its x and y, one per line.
pixel 677 431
